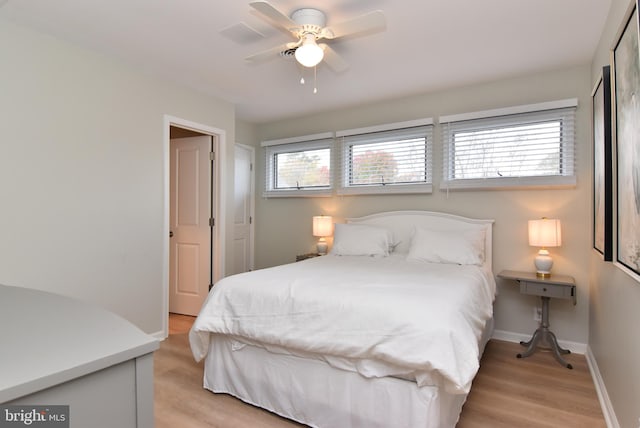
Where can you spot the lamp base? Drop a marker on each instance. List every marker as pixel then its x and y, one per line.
pixel 543 262
pixel 321 247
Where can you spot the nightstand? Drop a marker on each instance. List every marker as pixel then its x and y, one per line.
pixel 301 257
pixel 556 286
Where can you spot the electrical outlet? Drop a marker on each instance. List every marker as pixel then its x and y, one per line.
pixel 537 315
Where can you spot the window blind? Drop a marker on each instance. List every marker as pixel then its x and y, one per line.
pixel 386 161
pixel 534 148
pixel 298 169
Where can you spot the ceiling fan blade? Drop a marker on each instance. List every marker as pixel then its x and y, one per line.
pixel 369 22
pixel 270 53
pixel 273 14
pixel 333 60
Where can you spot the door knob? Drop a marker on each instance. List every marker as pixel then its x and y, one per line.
pixel 171 234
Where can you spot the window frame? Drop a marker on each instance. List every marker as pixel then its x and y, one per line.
pixel 273 148
pixel 346 139
pixel 562 110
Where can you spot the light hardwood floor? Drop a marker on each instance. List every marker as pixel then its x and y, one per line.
pixel 507 392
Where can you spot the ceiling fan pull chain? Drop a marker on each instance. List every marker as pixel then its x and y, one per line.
pixel 300 69
pixel 315 79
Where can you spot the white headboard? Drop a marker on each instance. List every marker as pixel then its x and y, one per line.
pixel 401 223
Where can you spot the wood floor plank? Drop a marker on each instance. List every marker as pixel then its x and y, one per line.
pixel 179 323
pixel 508 392
pixel 530 392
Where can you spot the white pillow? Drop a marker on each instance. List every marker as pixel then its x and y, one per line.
pixel 458 247
pixel 361 240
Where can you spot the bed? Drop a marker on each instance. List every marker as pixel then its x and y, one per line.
pixel 385 331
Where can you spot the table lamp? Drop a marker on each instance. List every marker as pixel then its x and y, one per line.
pixel 544 233
pixel 322 227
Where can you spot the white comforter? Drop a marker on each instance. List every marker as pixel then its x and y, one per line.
pixel 378 316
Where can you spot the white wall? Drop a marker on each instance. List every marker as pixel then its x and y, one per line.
pixel 246 133
pixel 615 296
pixel 284 225
pixel 81 172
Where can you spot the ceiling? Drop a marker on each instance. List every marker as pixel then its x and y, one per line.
pixel 427 45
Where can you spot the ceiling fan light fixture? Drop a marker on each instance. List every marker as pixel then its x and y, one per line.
pixel 309 54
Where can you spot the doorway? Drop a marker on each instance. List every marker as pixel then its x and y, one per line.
pixel 194 241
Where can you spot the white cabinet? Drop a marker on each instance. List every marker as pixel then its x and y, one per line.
pixel 60 351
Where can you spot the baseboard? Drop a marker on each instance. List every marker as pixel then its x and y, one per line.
pixel 160 335
pixel 509 336
pixel 601 390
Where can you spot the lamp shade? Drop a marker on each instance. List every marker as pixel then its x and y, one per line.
pixel 545 232
pixel 322 225
pixel 309 54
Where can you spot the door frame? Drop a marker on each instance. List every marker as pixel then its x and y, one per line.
pixel 218 199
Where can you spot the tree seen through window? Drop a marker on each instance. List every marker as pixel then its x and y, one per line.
pixel 304 169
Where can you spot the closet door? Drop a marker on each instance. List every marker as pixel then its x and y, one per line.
pixel 243 209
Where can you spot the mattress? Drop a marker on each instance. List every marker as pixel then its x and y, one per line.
pixel 374 316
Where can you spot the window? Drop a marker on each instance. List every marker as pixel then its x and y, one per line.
pixel 523 146
pixel 393 158
pixel 299 166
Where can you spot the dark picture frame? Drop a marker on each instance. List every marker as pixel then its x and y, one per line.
pixel 602 166
pixel 625 73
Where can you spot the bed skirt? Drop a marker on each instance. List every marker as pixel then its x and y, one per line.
pixel 311 392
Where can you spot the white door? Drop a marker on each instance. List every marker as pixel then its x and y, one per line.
pixel 243 209
pixel 190 213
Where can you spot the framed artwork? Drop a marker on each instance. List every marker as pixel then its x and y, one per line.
pixel 602 166
pixel 625 58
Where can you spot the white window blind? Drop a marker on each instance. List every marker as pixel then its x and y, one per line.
pixel 300 168
pixel 384 160
pixel 530 148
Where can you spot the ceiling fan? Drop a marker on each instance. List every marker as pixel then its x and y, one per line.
pixel 308 27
